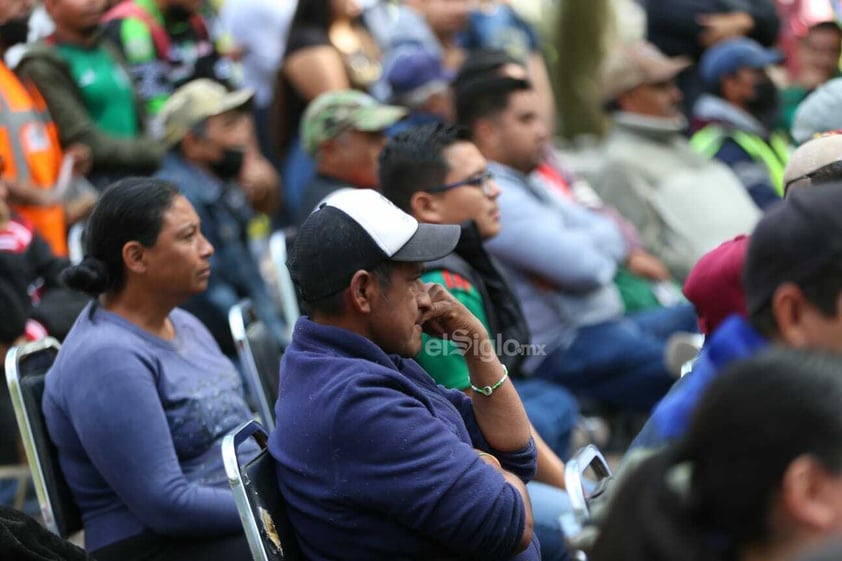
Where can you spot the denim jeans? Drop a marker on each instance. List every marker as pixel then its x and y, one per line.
pixel 548 504
pixel 552 410
pixel 620 363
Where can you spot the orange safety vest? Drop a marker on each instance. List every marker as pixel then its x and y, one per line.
pixel 31 152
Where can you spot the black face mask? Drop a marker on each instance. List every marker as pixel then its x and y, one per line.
pixel 14 31
pixel 764 104
pixel 90 31
pixel 178 14
pixel 230 165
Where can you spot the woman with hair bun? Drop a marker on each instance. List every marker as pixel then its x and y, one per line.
pixel 140 396
pixel 758 476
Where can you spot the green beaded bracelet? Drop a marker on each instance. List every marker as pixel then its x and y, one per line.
pixel 488 390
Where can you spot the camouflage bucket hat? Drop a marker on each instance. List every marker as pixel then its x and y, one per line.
pixel 333 113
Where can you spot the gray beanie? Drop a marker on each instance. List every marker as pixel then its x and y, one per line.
pixel 820 112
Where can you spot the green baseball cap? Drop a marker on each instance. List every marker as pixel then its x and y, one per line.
pixel 194 102
pixel 335 112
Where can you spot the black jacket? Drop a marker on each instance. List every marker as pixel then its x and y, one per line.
pixel 502 309
pixel 673 28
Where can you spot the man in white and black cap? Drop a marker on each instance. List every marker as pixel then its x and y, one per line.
pixel 376 461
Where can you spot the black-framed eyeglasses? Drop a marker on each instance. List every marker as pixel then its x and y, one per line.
pixel 828 172
pixel 482 180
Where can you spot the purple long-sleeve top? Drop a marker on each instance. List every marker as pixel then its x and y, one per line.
pixel 138 421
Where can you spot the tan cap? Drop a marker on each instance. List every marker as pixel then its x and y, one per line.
pixel 635 64
pixel 194 102
pixel 815 155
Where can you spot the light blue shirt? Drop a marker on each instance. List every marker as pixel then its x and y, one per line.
pixel 560 257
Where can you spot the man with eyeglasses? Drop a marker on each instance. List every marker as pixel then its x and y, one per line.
pixel 343 131
pixel 682 203
pixel 561 259
pixel 436 174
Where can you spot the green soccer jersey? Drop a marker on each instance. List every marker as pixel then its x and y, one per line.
pixel 440 358
pixel 106 89
pixel 190 54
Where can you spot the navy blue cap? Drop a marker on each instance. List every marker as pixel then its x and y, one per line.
pixel 798 239
pixel 412 67
pixel 726 57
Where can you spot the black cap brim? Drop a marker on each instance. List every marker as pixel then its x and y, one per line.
pixel 430 242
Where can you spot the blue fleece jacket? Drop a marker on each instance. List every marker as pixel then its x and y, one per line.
pixel 376 461
pixel 734 340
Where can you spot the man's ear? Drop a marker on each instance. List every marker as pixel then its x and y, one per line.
pixel 425 207
pixel 134 257
pixel 486 136
pixel 191 146
pixel 327 150
pixel 806 497
pixel 362 290
pixel 789 307
pixel 730 86
pixel 627 99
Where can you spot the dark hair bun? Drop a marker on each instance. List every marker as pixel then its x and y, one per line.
pixel 89 276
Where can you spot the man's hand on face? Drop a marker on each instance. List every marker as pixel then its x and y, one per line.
pixel 447 316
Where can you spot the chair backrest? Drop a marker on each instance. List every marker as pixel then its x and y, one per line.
pixel 257 495
pixel 260 357
pixel 289 298
pixel 581 490
pixel 75 243
pixel 687 367
pixel 26 370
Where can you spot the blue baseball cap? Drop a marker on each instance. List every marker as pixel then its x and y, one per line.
pixel 413 67
pixel 726 57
